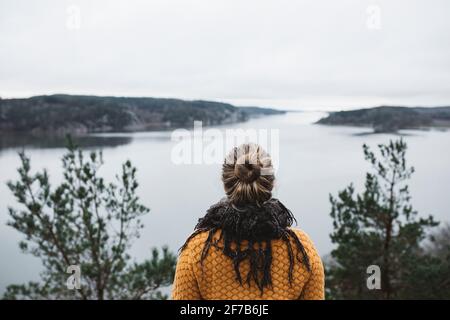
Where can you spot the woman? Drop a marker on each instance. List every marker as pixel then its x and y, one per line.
pixel 244 248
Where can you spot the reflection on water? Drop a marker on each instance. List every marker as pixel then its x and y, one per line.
pixel 27 141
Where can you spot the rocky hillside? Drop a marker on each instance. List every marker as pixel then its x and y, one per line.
pixel 61 114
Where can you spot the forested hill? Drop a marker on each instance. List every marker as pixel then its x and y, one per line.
pixel 61 114
pixel 391 119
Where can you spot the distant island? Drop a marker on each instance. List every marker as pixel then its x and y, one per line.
pixel 391 119
pixel 76 114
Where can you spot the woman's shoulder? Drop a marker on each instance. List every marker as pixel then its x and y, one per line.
pixel 304 238
pixel 196 241
pixel 196 238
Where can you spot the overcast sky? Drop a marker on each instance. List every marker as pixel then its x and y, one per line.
pixel 281 53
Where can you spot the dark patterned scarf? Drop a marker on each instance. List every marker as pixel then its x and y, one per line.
pixel 257 225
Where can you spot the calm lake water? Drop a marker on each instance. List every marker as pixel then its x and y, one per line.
pixel 314 162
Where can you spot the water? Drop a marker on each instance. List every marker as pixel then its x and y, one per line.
pixel 314 162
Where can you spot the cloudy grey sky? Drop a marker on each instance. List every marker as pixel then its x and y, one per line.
pixel 281 53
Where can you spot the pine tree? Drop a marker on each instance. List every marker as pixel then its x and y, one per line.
pixel 376 227
pixel 89 223
pixel 428 274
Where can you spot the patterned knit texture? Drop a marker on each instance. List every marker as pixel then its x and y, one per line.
pixel 216 279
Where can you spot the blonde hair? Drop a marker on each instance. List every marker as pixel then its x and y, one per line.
pixel 247 175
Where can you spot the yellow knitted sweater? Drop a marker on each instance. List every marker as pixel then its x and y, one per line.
pixel 216 279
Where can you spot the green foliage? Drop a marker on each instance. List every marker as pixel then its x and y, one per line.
pixel 380 227
pixel 429 274
pixel 87 222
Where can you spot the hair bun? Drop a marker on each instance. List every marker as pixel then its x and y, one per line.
pixel 246 171
pixel 247 175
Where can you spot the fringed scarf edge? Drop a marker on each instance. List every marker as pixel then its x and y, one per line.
pixel 257 225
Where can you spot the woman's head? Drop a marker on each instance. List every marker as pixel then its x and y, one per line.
pixel 247 175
